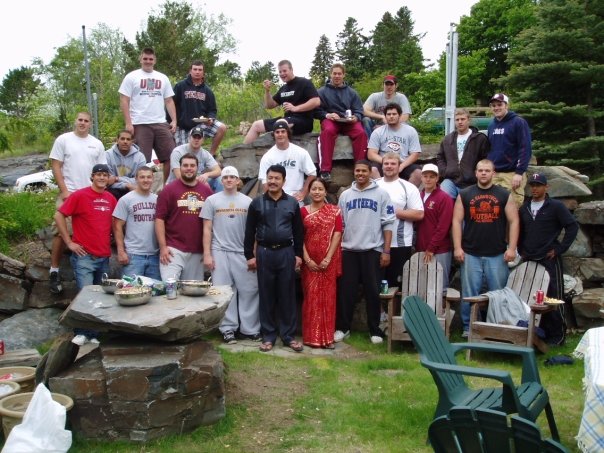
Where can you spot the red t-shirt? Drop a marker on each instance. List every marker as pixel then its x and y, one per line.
pixel 90 213
pixel 179 205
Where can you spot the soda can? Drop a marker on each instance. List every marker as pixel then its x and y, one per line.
pixel 384 287
pixel 348 114
pixel 539 297
pixel 171 288
pixel 1 347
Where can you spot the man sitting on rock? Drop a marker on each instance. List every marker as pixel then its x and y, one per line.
pixel 123 159
pixel 341 112
pixel 299 167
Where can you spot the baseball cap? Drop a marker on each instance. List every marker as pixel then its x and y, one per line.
pixel 197 130
pixel 430 167
pixel 100 168
pixel 500 97
pixel 390 78
pixel 280 124
pixel 538 178
pixel 229 171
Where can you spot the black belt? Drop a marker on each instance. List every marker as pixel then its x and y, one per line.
pixel 275 245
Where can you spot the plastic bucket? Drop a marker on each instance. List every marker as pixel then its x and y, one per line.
pixel 12 408
pixel 22 375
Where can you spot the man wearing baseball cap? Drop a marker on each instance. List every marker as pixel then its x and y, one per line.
pixel 511 150
pixel 542 219
pixel 90 210
pixel 224 215
pixel 208 170
pixel 373 109
pixel 299 167
pixel 433 230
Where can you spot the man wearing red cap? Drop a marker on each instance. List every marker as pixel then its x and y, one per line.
pixel 373 109
pixel 511 151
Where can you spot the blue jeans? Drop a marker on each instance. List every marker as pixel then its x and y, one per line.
pixel 449 187
pixel 475 270
pixel 368 125
pixel 145 265
pixel 216 184
pixel 88 269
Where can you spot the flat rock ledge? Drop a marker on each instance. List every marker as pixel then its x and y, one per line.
pixel 182 319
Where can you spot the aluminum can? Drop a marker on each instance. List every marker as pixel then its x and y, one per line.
pixel 384 287
pixel 348 114
pixel 539 297
pixel 171 288
pixel 1 347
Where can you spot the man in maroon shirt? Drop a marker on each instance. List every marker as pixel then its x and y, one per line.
pixel 178 227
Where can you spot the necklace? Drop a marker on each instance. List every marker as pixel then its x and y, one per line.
pixel 313 208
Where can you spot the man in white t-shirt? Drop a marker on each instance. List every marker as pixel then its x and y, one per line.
pixel 299 168
pixel 373 108
pixel 145 95
pixel 408 208
pixel 396 137
pixel 72 158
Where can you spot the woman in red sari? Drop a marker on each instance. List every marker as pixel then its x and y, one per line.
pixel 322 266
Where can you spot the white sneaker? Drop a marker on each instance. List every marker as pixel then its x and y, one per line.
pixel 80 340
pixel 376 339
pixel 339 335
pixel 465 334
pixel 94 341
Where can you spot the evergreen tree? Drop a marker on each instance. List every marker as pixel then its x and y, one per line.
pixel 321 63
pixel 258 73
pixel 492 27
pixel 18 91
pixel 352 50
pixel 394 48
pixel 558 74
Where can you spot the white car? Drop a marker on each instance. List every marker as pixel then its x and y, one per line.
pixel 35 182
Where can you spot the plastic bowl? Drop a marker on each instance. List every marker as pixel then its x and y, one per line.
pixel 22 375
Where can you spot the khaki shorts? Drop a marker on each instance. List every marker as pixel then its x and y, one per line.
pixel 505 180
pixel 55 231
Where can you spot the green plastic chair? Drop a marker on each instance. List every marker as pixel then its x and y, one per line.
pixel 486 431
pixel 528 399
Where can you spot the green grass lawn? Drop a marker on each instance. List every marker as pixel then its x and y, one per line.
pixel 363 401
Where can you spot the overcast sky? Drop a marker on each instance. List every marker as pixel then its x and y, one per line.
pixel 265 31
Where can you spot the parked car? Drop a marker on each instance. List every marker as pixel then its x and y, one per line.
pixel 480 117
pixel 35 182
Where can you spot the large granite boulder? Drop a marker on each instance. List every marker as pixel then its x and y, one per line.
pixel 181 319
pixel 143 390
pixel 591 213
pixel 588 308
pixel 31 328
pixel 563 181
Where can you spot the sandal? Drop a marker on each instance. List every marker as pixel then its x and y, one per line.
pixel 266 347
pixel 294 345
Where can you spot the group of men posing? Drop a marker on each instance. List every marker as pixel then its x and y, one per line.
pixel 163 237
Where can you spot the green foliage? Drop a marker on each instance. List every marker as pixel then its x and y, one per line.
pixel 322 61
pixel 557 73
pixel 260 72
pixel 180 33
pixel 18 89
pixel 228 71
pixel 240 102
pixel 491 30
pixel 352 50
pixel 394 48
pixel 22 214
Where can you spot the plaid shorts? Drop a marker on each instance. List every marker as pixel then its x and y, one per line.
pixel 181 136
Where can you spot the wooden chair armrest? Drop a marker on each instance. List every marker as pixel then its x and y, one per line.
pixel 476 299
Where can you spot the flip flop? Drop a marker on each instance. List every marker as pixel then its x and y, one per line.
pixel 266 347
pixel 295 346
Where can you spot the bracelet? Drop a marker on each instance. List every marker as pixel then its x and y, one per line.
pixel 308 261
pixel 386 253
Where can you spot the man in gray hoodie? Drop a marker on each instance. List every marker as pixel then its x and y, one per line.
pixel 123 159
pixel 368 216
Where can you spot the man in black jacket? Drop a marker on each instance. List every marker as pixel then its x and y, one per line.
pixel 542 219
pixel 459 153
